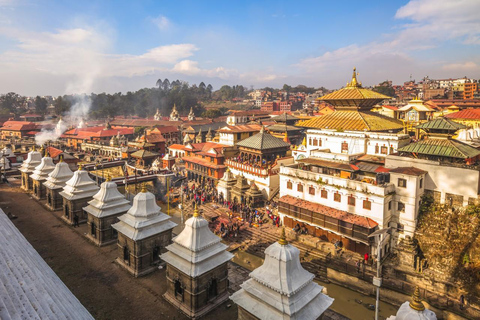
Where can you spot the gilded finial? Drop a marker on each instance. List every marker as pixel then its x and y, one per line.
pixel 304 142
pixel 60 157
pixel 80 167
pixel 144 188
pixel 416 303
pixel 195 212
pixel 354 82
pixel 34 148
pixel 283 239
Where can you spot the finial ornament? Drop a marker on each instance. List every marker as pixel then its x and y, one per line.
pixel 144 188
pixel 34 148
pixel 283 239
pixel 60 157
pixel 354 82
pixel 416 303
pixel 80 167
pixel 195 212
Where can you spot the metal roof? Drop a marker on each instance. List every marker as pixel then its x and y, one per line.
pixel 442 147
pixel 441 123
pixel 263 141
pixel 284 117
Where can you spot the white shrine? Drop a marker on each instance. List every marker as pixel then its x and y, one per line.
pixel 281 288
pixel 197 269
pixel 77 192
pixel 33 159
pixel 143 233
pixel 55 182
pixel 103 210
pixel 39 175
pixel 414 310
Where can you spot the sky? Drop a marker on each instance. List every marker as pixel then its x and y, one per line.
pixel 64 47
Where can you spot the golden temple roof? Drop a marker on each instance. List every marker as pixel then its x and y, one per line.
pixel 353 120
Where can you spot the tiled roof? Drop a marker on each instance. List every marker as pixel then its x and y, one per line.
pixel 282 127
pixel 99 131
pixel 441 123
pixel 442 147
pixel 177 147
pixel 412 171
pixel 153 138
pixel 203 162
pixel 144 154
pixel 330 212
pixel 353 120
pixel 284 117
pixel 467 114
pixel 165 129
pixel 18 126
pixel 263 141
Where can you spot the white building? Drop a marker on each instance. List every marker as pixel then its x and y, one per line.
pixel 281 288
pixel 55 182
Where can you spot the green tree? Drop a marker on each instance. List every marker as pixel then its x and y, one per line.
pixel 12 102
pixel 212 113
pixel 388 91
pixel 61 106
pixel 41 105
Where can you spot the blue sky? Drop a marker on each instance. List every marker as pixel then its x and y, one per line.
pixel 57 47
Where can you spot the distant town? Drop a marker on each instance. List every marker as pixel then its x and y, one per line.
pixel 180 201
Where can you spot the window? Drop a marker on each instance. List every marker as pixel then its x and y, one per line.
pixel 319 142
pixel 351 201
pixel 421 183
pixel 389 205
pixel 324 194
pixel 289 185
pixel 401 207
pixel 311 190
pixel 384 150
pixel 310 141
pixel 391 149
pixel 344 147
pixel 300 187
pixel 337 197
pixel 376 148
pixel 315 142
pixel 367 204
pixel 239 136
pixel 402 183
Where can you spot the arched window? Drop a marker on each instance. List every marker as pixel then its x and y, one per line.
pixel 300 187
pixel 178 290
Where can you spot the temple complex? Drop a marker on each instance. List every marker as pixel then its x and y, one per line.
pixel 77 192
pixel 197 271
pixel 55 182
pixel 33 159
pixel 281 288
pixel 143 233
pixel 39 175
pixel 285 126
pixel 103 210
pixel 414 310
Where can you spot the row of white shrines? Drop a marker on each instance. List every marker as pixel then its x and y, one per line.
pixel 196 260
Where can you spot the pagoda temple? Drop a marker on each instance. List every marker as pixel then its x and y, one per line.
pixel 39 175
pixel 197 270
pixel 33 159
pixel 281 288
pixel 77 192
pixel 143 233
pixel 55 182
pixel 103 210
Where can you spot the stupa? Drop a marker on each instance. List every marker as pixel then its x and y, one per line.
pixel 103 210
pixel 197 269
pixel 143 233
pixel 33 159
pixel 414 310
pixel 39 175
pixel 225 185
pixel 77 192
pixel 54 184
pixel 281 288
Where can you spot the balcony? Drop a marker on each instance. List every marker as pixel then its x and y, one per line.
pixel 260 172
pixel 325 179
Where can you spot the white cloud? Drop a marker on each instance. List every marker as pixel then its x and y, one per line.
pixel 189 67
pixel 459 67
pixel 162 23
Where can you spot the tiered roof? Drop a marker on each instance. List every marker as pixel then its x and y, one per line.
pixel 144 219
pixel 79 186
pixel 196 250
pixel 33 159
pixel 284 117
pixel 108 201
pixel 281 288
pixel 59 176
pixel 263 141
pixel 43 169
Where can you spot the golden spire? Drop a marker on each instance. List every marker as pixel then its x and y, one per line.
pixel 283 239
pixel 304 142
pixel 195 212
pixel 144 188
pixel 416 303
pixel 80 167
pixel 42 150
pixel 354 82
pixel 34 148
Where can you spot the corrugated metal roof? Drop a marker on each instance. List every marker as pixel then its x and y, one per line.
pixel 467 114
pixel 29 288
pixel 353 120
pixel 441 123
pixel 263 141
pixel 442 147
pixel 284 117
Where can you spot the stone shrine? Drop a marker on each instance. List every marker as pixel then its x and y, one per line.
pixel 197 269
pixel 103 210
pixel 143 233
pixel 33 159
pixel 54 184
pixel 39 176
pixel 281 288
pixel 76 194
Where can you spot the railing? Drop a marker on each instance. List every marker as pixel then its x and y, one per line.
pixel 339 182
pixel 248 168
